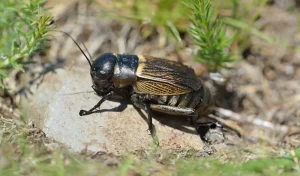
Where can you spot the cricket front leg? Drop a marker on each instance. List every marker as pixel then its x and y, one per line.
pixel 105 97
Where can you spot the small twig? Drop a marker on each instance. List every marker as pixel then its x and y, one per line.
pixel 228 114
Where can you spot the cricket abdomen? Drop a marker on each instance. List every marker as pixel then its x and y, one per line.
pixel 200 100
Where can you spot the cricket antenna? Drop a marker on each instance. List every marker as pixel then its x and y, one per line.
pixel 79 47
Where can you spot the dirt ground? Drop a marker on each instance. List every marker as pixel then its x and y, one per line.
pixel 260 95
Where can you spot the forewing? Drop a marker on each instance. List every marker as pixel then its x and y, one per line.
pixel 159 88
pixel 166 71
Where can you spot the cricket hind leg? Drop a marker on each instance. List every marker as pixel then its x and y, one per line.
pixel 171 110
pixel 209 130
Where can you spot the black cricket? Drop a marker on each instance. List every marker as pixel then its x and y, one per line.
pixel 151 84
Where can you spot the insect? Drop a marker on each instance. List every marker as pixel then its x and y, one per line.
pixel 151 84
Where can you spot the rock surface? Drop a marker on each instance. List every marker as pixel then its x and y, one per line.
pixel 118 129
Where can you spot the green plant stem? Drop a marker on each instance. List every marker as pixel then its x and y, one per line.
pixel 24 30
pixel 209 36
